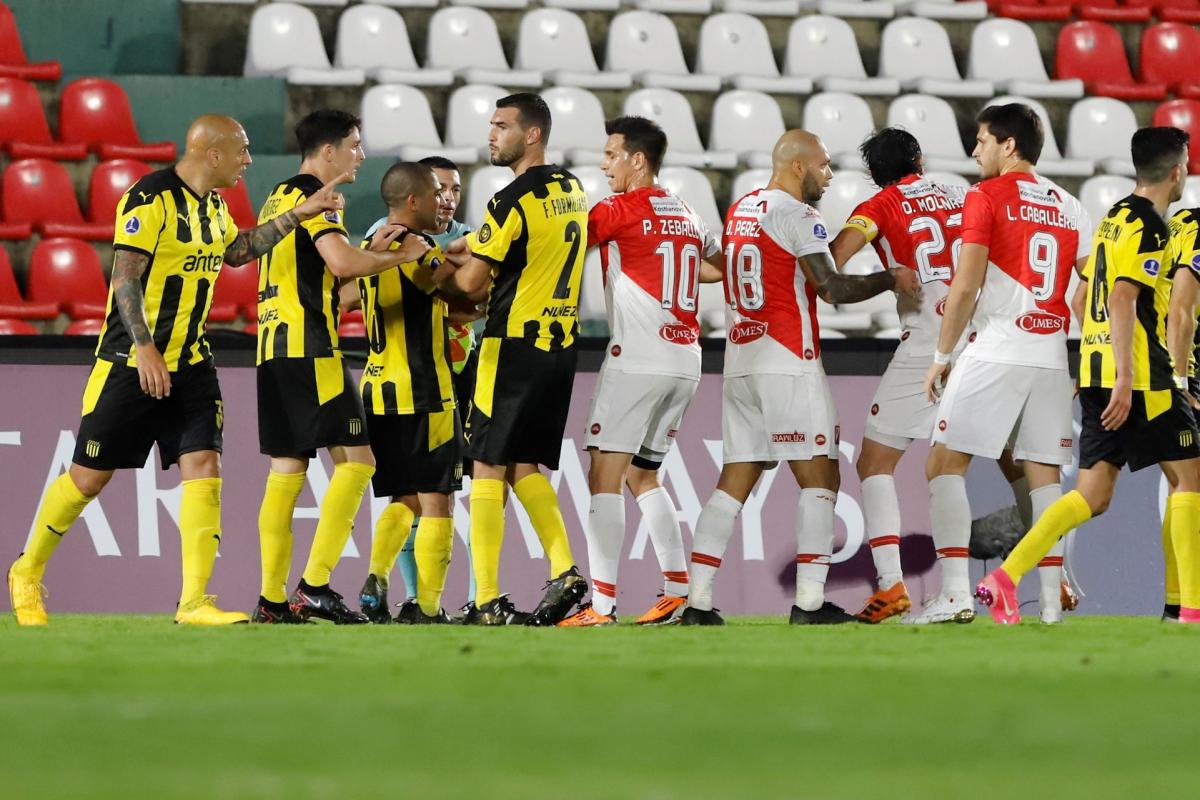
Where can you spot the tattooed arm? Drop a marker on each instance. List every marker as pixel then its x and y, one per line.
pixel 833 287
pixel 128 268
pixel 251 244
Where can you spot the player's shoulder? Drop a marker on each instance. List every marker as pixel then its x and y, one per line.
pixel 151 186
pixel 1139 214
pixel 1184 220
pixel 305 184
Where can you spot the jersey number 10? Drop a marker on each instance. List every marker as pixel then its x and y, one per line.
pixel 688 271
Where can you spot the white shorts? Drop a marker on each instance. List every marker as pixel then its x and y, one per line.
pixel 988 406
pixel 900 413
pixel 638 413
pixel 778 418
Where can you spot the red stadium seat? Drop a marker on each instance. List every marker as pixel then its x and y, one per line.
pixel 1111 11
pixel 240 206
pixel 1037 10
pixel 1167 54
pixel 110 180
pixel 1094 53
pixel 16 327
pixel 96 112
pixel 12 304
pixel 85 327
pixel 23 127
pixel 1183 114
pixel 236 292
pixel 1171 10
pixel 347 329
pixel 12 55
pixel 67 271
pixel 13 230
pixel 40 192
pixel 251 328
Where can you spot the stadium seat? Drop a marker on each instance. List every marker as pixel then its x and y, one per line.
pixel 747 182
pixel 1006 51
pixel 350 328
pixel 465 40
pixel 1093 52
pixel 85 327
pixel 407 3
pixel 848 188
pixel 1051 163
pixel 1100 129
pixel 594 182
pixel 842 121
pixel 1190 199
pixel 17 327
pixel 646 45
pixel 1099 194
pixel 1168 53
pixel 491 4
pixel 671 111
pixel 555 41
pixel 1036 10
pixel 285 42
pixel 110 180
pixel 1112 11
pixel 95 112
pixel 584 5
pixel 13 63
pixel 235 292
pixel 67 272
pixel 483 183
pixel 674 6
pixel 12 304
pixel 858 9
pixel 238 200
pixel 328 3
pixel 932 121
pixel 468 116
pixel 695 190
pixel 764 8
pixel 1171 10
pixel 397 121
pixel 24 132
pixel 747 123
pixel 13 231
pixel 736 47
pixel 1185 115
pixel 375 39
pixel 39 192
pixel 917 53
pixel 949 9
pixel 826 50
pixel 949 179
pixel 578 130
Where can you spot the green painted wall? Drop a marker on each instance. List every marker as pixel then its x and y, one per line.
pixel 103 38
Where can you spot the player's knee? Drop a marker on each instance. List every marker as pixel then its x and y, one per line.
pixel 89 482
pixel 641 480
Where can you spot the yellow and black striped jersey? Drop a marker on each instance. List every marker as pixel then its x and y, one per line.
pixel 297 294
pixel 1185 243
pixel 184 236
pixel 1131 243
pixel 408 370
pixel 534 235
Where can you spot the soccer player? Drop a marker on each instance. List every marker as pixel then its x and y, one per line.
pixel 529 251
pixel 154 379
pixel 1134 407
pixel 655 252
pixel 306 398
pixel 1021 236
pixel 777 405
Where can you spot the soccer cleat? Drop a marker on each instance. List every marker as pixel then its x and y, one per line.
pixel 1170 612
pixel 827 614
pixel 697 616
pixel 411 614
pixel 500 611
pixel 942 609
pixel 885 603
pixel 372 599
pixel 999 593
pixel 323 603
pixel 26 595
pixel 1051 614
pixel 467 615
pixel 665 612
pixel 268 613
pixel 203 611
pixel 562 594
pixel 588 617
pixel 1067 597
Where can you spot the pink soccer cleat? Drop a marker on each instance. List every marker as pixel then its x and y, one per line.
pixel 999 594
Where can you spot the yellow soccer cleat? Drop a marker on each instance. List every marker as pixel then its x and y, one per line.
pixel 203 611
pixel 26 595
pixel 664 611
pixel 588 617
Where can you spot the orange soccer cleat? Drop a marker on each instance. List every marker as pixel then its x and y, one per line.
pixel 885 603
pixel 1067 597
pixel 588 617
pixel 664 611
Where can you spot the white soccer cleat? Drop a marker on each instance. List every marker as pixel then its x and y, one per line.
pixel 1050 610
pixel 943 609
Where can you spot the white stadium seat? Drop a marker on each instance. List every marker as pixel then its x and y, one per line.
pixel 647 45
pixel 1051 164
pixel 917 53
pixel 466 41
pixel 556 42
pixel 407 3
pixel 594 182
pixel 674 6
pixel 1100 128
pixel 672 112
pixel 747 123
pixel 584 5
pixel 577 126
pixel 696 191
pixel 747 182
pixel 842 121
pixel 1190 199
pixel 949 9
pixel 498 4
pixel 397 122
pixel 765 8
pixel 736 47
pixel 329 3
pixel 469 117
pixel 1099 194
pixel 951 179
pixel 826 50
pixel 858 9
pixel 375 40
pixel 1006 51
pixel 285 42
pixel 847 189
pixel 483 183
pixel 932 121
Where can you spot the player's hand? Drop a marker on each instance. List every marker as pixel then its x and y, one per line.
pixel 322 200
pixel 153 375
pixel 386 234
pixel 935 381
pixel 1117 411
pixel 1192 401
pixel 411 249
pixel 906 282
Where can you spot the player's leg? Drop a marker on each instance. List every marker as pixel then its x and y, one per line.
pixel 1014 473
pixel 406 560
pixel 605 534
pixel 1184 511
pixel 393 532
pixel 200 536
pixel 662 523
pixel 487 534
pixel 876 467
pixel 819 481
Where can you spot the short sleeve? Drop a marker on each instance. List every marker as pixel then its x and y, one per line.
pixel 1086 231
pixel 139 221
pixel 865 219
pixel 602 222
pixel 1142 259
pixel 328 222
pixel 797 228
pixel 501 227
pixel 978 218
pixel 712 243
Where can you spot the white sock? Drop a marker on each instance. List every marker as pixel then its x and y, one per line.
pixel 605 535
pixel 950 518
pixel 1020 490
pixel 1050 568
pixel 714 529
pixel 665 535
pixel 881 510
pixel 814 545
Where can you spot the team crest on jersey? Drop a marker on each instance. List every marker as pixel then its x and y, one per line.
pixel 941 425
pixel 747 331
pixel 132 225
pixel 1196 262
pixel 820 440
pixel 809 355
pixel 677 333
pixel 485 233
pixel 1152 267
pixel 1042 323
pixel 616 350
pixel 355 426
pixel 874 409
pixel 595 429
pixel 92 448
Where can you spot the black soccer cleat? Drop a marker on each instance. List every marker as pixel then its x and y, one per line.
pixel 561 595
pixel 827 614
pixel 372 599
pixel 324 603
pixel 268 613
pixel 500 611
pixel 467 615
pixel 698 616
pixel 411 614
pixel 1170 612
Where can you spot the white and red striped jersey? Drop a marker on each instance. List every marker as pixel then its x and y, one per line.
pixel 770 309
pixel 916 224
pixel 651 245
pixel 1035 231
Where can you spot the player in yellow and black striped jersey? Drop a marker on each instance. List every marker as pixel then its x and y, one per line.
pixel 1185 236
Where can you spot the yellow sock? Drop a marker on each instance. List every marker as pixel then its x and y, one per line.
pixel 435 538
pixel 541 503
pixel 487 536
pixel 1067 512
pixel 1170 568
pixel 391 532
pixel 61 507
pixel 1185 533
pixel 275 532
pixel 342 499
pixel 199 534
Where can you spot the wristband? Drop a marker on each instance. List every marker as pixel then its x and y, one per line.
pixel 941 359
pixel 1181 382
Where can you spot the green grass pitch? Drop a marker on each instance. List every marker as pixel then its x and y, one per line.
pixel 134 707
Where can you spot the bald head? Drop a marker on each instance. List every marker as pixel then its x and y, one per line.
pixel 411 191
pixel 794 145
pixel 800 165
pixel 211 130
pixel 216 154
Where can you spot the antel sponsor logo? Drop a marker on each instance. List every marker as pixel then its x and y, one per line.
pixel 747 331
pixel 678 333
pixel 1040 322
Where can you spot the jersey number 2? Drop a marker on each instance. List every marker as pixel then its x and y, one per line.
pixel 574 235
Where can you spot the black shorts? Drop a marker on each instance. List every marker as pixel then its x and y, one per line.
pixel 520 403
pixel 120 422
pixel 305 404
pixel 416 453
pixel 1142 441
pixel 464 386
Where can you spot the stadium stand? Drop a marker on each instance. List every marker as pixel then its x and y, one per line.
pixel 932 121
pixel 110 180
pixel 1006 52
pixel 39 192
pixel 1167 55
pixel 747 123
pixel 466 41
pixel 825 49
pixel 13 63
pixel 1184 114
pixel 578 131
pixel 24 132
pixel 555 42
pixel 375 39
pixel 646 45
pixel 1092 52
pixel 95 112
pixel 397 121
pixel 67 272
pixel 285 41
pixel 917 53
pixel 737 48
pixel 12 304
pixel 1051 163
pixel 673 113
pixel 1099 129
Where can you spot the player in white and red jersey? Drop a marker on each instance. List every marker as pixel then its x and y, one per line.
pixel 654 251
pixel 776 400
pixel 1022 235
